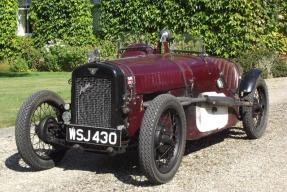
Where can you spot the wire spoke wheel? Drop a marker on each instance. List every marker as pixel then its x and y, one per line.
pixel 255 118
pixel 259 105
pixel 162 139
pixel 167 140
pixel 36 125
pixel 44 110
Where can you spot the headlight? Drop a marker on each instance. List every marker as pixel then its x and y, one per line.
pixel 220 83
pixel 67 107
pixel 66 116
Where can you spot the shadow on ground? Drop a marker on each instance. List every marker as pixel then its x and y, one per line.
pixel 232 133
pixel 14 74
pixel 125 167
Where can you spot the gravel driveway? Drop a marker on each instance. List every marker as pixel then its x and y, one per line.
pixel 223 162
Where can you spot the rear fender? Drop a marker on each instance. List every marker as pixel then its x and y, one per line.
pixel 248 82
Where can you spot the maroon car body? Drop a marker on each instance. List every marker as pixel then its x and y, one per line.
pixel 178 75
pixel 149 99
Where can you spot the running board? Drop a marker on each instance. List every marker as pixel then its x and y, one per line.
pixel 213 100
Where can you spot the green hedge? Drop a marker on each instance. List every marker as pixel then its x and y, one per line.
pixel 8 26
pixel 67 20
pixel 228 27
pixel 54 58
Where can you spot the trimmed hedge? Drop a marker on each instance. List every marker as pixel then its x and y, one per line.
pixel 67 20
pixel 8 26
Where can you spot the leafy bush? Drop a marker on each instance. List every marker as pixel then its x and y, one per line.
pixel 55 57
pixel 64 58
pixel 279 68
pixel 268 61
pixel 8 26
pixel 68 20
pixel 4 66
pixel 108 49
pixel 18 64
pixel 24 47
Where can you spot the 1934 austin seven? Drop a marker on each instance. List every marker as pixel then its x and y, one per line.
pixel 150 99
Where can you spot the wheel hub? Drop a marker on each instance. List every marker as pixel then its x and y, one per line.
pixel 257 107
pixel 45 128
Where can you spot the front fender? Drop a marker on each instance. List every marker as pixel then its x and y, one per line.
pixel 248 82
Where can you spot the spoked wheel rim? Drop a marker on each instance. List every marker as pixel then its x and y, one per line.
pixel 259 107
pixel 167 140
pixel 43 112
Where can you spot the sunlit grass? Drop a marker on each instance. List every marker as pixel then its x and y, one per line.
pixel 16 87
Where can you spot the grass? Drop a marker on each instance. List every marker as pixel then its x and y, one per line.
pixel 16 87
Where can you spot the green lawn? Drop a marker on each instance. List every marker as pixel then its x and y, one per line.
pixel 16 87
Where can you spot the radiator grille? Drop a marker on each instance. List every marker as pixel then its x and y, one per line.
pixel 93 97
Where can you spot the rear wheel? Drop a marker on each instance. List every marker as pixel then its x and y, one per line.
pixel 36 121
pixel 162 139
pixel 255 117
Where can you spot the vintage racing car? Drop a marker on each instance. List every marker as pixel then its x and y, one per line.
pixel 150 99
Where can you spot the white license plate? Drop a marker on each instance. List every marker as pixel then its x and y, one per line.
pixel 99 136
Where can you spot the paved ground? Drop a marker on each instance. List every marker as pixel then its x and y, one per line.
pixel 224 162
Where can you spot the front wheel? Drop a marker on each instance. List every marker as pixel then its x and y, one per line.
pixel 162 139
pixel 38 119
pixel 255 118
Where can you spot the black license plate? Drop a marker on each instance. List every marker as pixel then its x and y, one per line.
pixel 91 135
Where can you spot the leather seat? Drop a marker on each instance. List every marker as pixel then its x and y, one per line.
pixel 230 72
pixel 136 50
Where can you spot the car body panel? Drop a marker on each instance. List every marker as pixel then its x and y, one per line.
pixel 179 75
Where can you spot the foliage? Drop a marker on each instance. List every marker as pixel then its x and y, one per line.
pixel 282 17
pixel 268 61
pixel 108 49
pixel 18 64
pixel 24 48
pixel 55 57
pixel 4 66
pixel 279 69
pixel 63 58
pixel 228 27
pixel 68 20
pixel 8 26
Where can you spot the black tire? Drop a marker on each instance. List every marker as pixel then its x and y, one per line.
pixel 26 124
pixel 255 118
pixel 154 139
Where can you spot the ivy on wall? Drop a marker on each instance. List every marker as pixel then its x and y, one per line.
pixel 68 20
pixel 228 27
pixel 8 26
